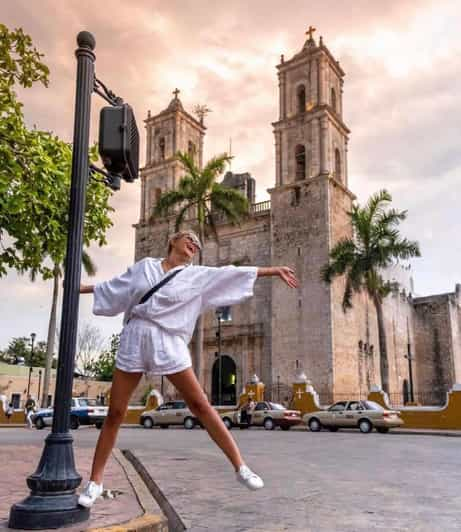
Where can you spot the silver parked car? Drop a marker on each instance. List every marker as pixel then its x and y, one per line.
pixel 362 415
pixel 169 413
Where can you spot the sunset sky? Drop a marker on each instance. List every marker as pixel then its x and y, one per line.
pixel 401 101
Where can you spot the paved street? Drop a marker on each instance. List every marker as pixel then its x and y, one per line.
pixel 345 481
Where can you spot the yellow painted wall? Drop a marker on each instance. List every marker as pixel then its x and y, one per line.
pixel 447 417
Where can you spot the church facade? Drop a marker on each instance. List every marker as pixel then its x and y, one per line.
pixel 280 332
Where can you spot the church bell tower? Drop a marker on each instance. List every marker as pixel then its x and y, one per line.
pixel 309 214
pixel 168 132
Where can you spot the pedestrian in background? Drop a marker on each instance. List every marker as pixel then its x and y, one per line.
pixel 30 409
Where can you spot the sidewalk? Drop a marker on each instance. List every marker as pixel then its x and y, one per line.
pixel 131 500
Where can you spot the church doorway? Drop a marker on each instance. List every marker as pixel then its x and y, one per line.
pixel 223 385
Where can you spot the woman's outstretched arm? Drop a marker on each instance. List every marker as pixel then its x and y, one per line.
pixel 86 288
pixel 284 272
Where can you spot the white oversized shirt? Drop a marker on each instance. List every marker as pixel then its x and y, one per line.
pixel 176 306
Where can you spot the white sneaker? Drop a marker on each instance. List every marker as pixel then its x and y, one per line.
pixel 89 495
pixel 249 479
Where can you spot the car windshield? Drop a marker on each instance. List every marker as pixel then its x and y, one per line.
pixel 87 402
pixel 276 406
pixel 371 405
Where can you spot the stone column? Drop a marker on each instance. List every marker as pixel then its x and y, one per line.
pixel 324 145
pixel 322 80
pixel 346 173
pixel 278 158
pixel 149 144
pixel 283 96
pixel 341 90
pixel 143 199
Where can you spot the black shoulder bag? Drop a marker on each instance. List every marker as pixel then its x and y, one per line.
pixel 154 289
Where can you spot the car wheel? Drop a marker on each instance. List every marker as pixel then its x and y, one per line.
pixel 74 423
pixel 315 425
pixel 333 429
pixel 147 423
pixel 99 425
pixel 269 424
pixel 189 423
pixel 286 427
pixel 365 426
pixel 227 422
pixel 164 426
pixel 39 423
pixel 382 430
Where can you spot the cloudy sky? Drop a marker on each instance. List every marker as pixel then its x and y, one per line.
pixel 401 101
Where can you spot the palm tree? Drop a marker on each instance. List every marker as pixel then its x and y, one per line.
pixel 90 269
pixel 199 194
pixel 376 245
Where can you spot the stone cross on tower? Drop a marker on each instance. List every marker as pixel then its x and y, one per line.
pixel 310 31
pixel 176 93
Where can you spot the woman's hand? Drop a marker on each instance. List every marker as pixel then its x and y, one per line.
pixel 288 275
pixel 284 272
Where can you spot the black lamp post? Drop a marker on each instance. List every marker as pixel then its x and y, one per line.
pixel 39 383
pixel 410 359
pixel 218 334
pixel 31 361
pixel 53 501
pixel 31 369
pixel 278 388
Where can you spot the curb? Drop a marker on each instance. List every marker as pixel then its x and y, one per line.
pixel 175 523
pixel 153 520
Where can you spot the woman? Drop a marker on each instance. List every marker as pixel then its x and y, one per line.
pixel 156 334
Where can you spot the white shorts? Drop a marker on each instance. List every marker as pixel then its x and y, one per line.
pixel 145 347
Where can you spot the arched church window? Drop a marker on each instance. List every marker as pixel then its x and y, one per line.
pixel 301 95
pixel 337 164
pixel 161 148
pixel 333 99
pixel 300 156
pixel 191 149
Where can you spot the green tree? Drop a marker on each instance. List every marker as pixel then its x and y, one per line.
pixel 103 368
pixel 35 171
pixel 199 195
pixel 375 246
pixel 20 347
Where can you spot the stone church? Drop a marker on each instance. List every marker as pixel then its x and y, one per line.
pixel 281 333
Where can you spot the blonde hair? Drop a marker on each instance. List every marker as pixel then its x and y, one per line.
pixel 180 234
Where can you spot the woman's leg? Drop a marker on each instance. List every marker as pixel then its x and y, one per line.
pixel 123 385
pixel 188 386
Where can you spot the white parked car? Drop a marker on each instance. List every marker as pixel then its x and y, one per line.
pixel 84 411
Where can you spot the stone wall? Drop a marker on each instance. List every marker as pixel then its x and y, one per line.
pixel 247 337
pixel 438 362
pixel 301 319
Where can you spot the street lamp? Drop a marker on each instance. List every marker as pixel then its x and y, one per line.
pixel 219 315
pixel 39 383
pixel 31 363
pixel 53 502
pixel 410 359
pixel 278 388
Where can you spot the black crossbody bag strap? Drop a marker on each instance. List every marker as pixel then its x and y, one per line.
pixel 159 285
